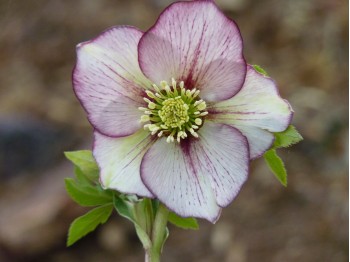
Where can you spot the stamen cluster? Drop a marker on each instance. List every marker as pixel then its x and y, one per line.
pixel 173 111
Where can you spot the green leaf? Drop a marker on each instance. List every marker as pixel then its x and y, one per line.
pixel 144 238
pixel 84 160
pixel 276 165
pixel 88 223
pixel 82 179
pixel 260 70
pixel 126 208
pixel 288 137
pixel 185 223
pixel 86 195
pixel 166 235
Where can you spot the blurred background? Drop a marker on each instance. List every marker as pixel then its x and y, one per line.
pixel 302 44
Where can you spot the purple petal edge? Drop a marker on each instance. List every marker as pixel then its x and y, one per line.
pixel 75 86
pixel 227 18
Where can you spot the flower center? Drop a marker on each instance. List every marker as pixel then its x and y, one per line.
pixel 173 111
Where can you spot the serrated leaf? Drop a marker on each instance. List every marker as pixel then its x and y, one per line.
pixel 86 195
pixel 288 137
pixel 84 160
pixel 185 223
pixel 260 70
pixel 125 209
pixel 276 165
pixel 88 223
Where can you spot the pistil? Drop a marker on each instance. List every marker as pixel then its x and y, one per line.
pixel 173 111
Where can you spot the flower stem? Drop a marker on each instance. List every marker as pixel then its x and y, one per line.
pixel 149 215
pixel 158 234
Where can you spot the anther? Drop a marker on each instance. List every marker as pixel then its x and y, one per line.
pixel 198 121
pixel 147 100
pixel 163 84
pixel 153 127
pixel 182 84
pixel 145 118
pixel 197 102
pixel 154 132
pixel 145 127
pixel 202 106
pixel 170 139
pixel 167 89
pixel 194 134
pixel 156 88
pixel 150 94
pixel 151 105
pixel 190 129
pixel 196 94
pixel 183 90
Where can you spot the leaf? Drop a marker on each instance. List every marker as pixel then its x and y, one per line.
pixel 82 179
pixel 185 223
pixel 86 195
pixel 288 137
pixel 88 223
pixel 166 235
pixel 144 238
pixel 276 165
pixel 84 160
pixel 125 209
pixel 260 70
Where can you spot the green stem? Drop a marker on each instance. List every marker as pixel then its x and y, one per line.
pixel 149 215
pixel 158 234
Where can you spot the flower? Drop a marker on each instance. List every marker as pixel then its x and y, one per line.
pixel 177 113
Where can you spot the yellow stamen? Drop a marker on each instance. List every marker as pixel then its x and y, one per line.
pixel 173 111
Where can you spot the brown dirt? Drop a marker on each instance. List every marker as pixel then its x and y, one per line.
pixel 304 47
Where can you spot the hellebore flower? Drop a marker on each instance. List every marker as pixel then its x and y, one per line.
pixel 177 112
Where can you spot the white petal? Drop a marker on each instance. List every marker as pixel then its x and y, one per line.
pixel 119 160
pixel 109 83
pixel 223 154
pixel 195 42
pixel 198 176
pixel 257 105
pixel 168 173
pixel 259 140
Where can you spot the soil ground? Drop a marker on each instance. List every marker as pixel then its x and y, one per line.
pixel 302 44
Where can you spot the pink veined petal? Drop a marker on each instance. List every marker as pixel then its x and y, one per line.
pixel 198 176
pixel 256 107
pixel 119 160
pixel 109 83
pixel 195 42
